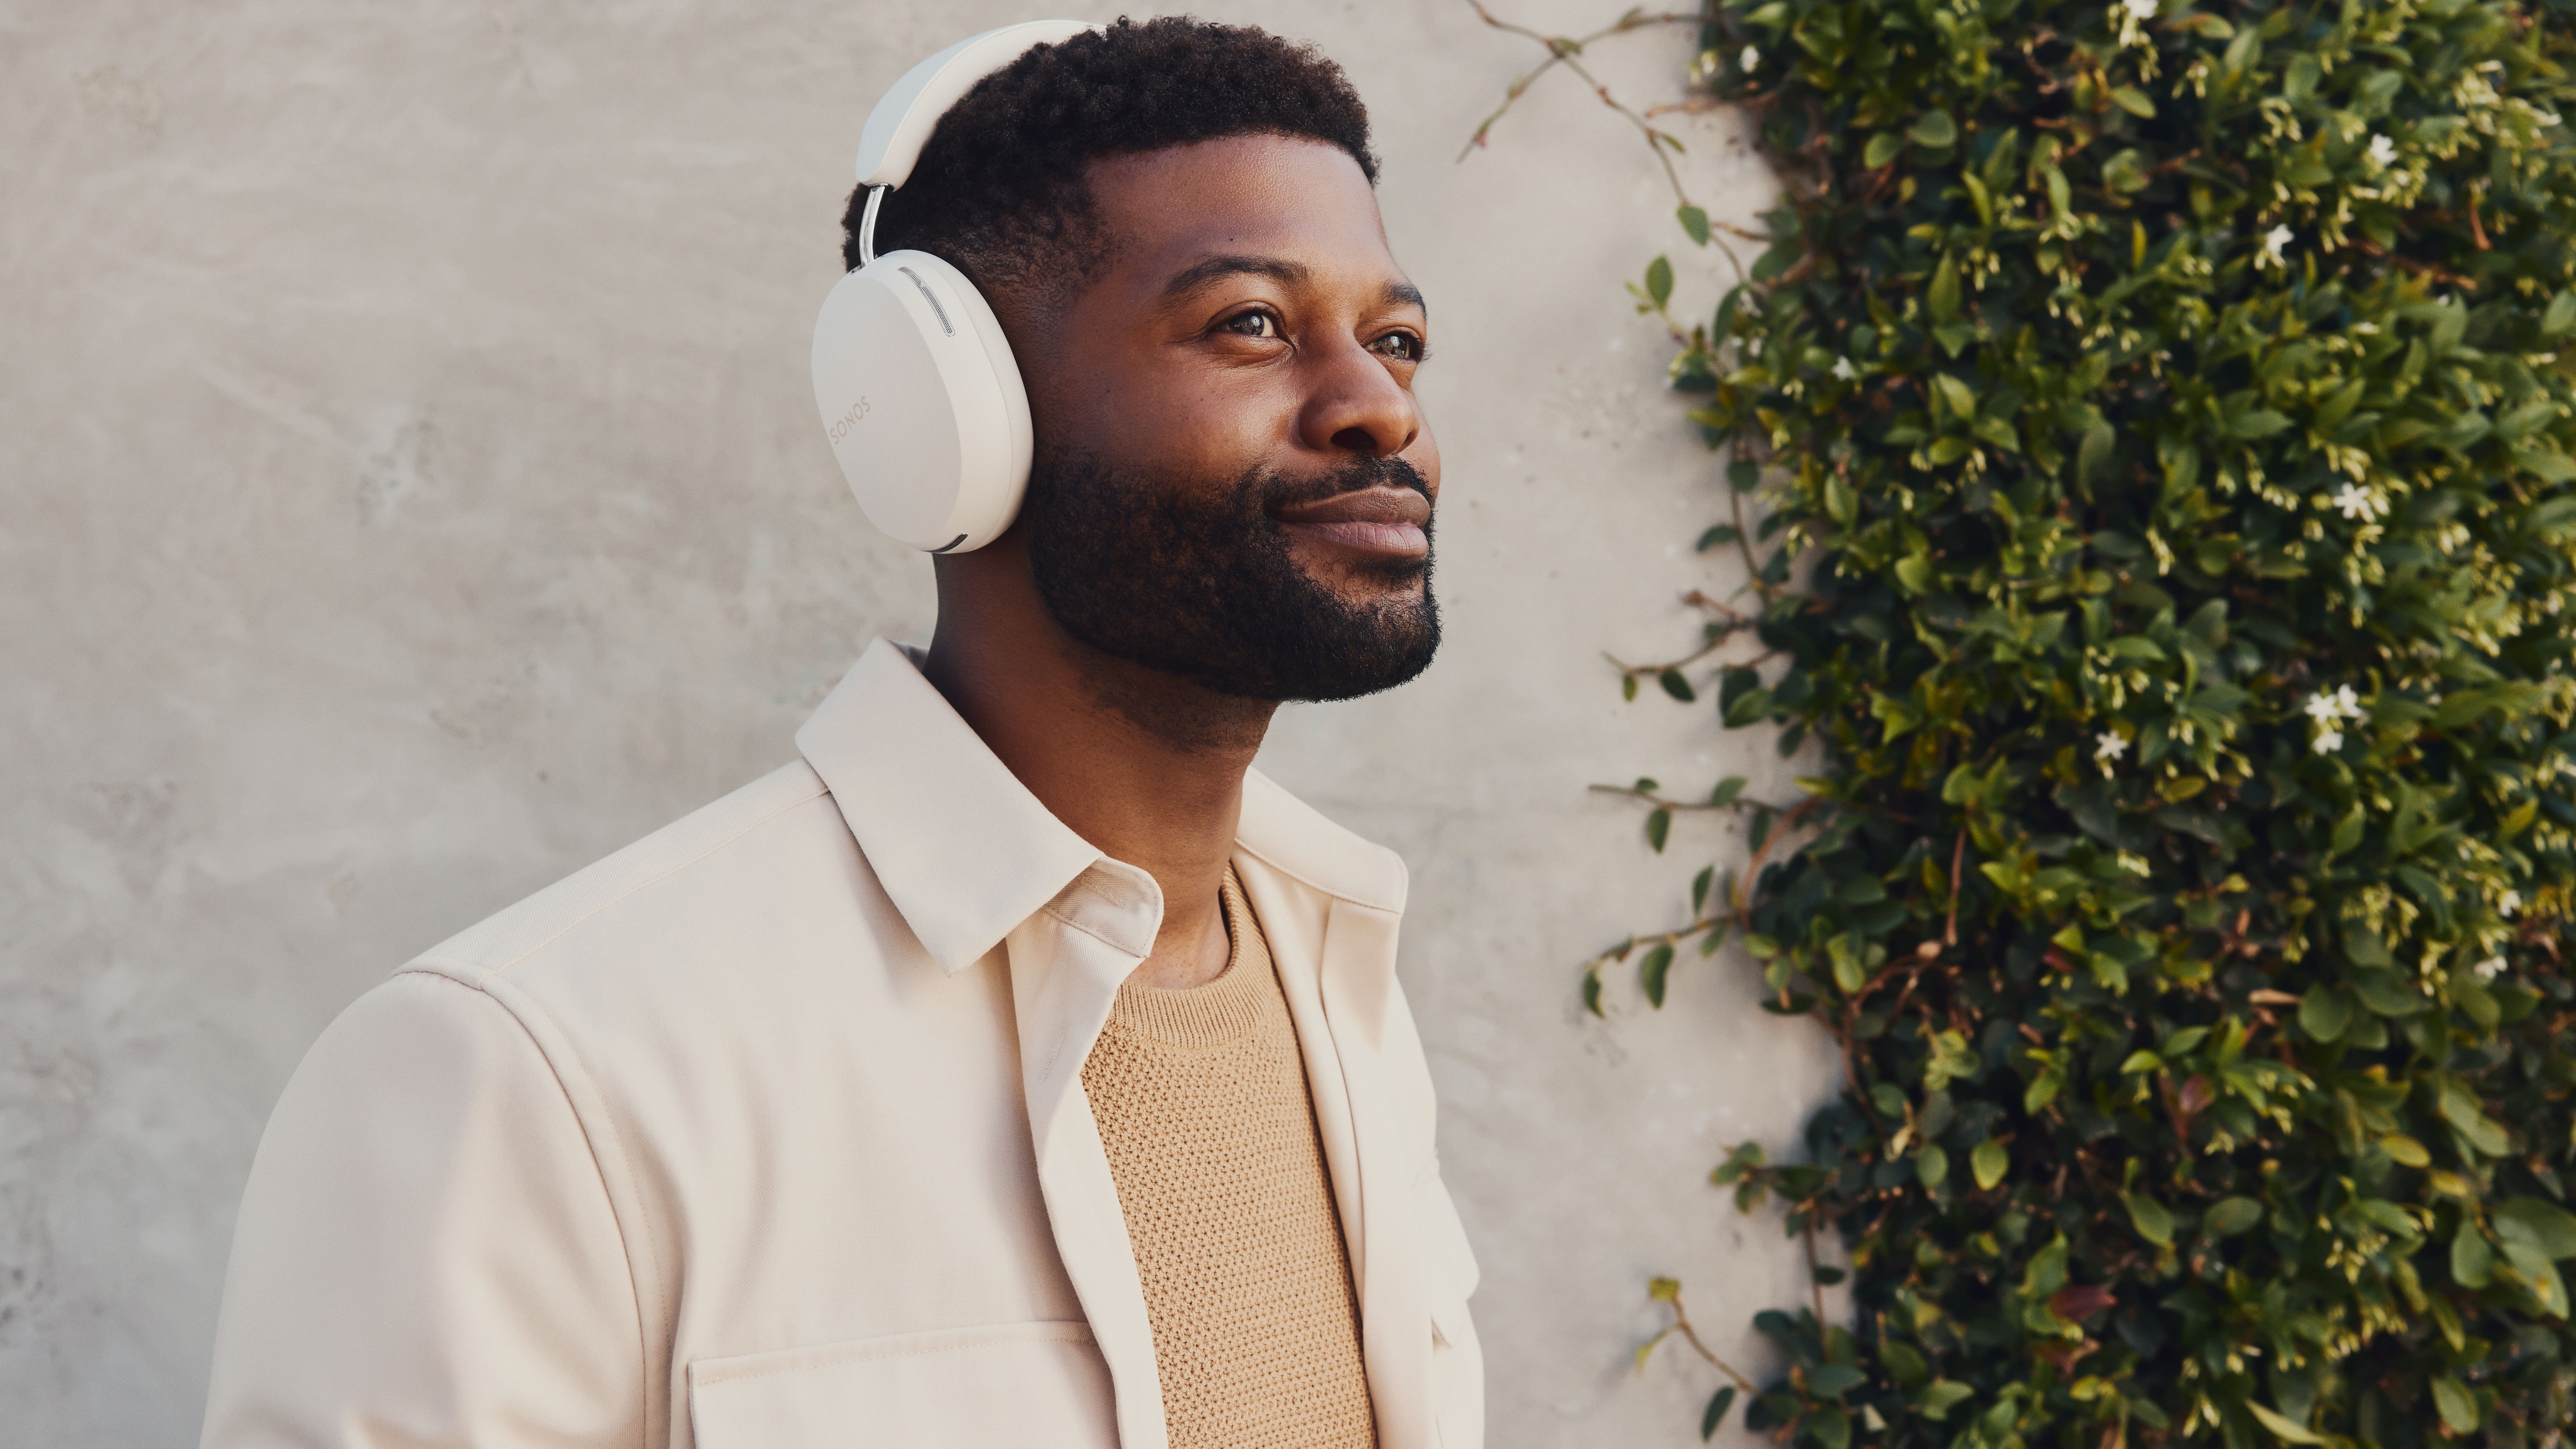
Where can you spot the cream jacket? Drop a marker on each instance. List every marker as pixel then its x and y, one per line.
pixel 768 1132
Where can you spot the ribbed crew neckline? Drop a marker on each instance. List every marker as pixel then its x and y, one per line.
pixel 1217 1014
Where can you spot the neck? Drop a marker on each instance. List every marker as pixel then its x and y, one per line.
pixel 1144 765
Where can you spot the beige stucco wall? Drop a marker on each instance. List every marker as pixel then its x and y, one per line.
pixel 409 491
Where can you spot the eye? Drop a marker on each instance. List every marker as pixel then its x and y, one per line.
pixel 1402 346
pixel 1260 322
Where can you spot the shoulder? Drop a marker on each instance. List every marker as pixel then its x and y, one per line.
pixel 717 861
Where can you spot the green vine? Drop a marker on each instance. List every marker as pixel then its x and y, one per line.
pixel 2167 400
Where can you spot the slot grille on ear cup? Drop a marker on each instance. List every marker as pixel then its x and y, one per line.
pixel 928 296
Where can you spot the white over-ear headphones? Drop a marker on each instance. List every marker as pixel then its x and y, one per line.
pixel 916 384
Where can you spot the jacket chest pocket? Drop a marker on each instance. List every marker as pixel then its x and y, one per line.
pixel 1008 1384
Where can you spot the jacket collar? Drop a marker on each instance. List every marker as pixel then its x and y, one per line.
pixel 966 853
pixel 1291 836
pixel 962 848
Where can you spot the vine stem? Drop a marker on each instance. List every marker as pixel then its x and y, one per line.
pixel 1563 50
pixel 1815 1285
pixel 1641 671
pixel 1744 541
pixel 1739 918
pixel 1700 600
pixel 1958 856
pixel 1658 801
pixel 1730 624
pixel 1682 1325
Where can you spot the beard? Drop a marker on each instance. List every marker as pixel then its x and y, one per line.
pixel 1201 582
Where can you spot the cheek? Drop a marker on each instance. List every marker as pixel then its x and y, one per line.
pixel 1196 425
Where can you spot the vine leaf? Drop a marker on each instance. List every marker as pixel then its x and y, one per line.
pixel 1659 281
pixel 1658 965
pixel 1990 1161
pixel 1715 1413
pixel 2151 1220
pixel 2162 516
pixel 2458 1407
pixel 2284 1426
pixel 1943 297
pixel 2230 1216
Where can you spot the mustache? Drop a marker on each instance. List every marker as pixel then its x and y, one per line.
pixel 1362 472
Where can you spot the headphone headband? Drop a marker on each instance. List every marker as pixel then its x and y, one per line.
pixel 914 379
pixel 890 145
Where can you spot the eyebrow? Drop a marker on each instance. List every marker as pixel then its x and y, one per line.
pixel 1277 269
pixel 1208 269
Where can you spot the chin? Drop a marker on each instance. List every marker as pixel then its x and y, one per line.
pixel 1365 583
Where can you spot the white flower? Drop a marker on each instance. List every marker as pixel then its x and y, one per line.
pixel 2326 709
pixel 2108 746
pixel 1843 369
pixel 2356 503
pixel 2135 864
pixel 2382 151
pixel 2140 9
pixel 1750 60
pixel 2276 239
pixel 2490 968
pixel 2511 903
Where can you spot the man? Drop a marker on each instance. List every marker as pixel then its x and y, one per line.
pixel 1018 1067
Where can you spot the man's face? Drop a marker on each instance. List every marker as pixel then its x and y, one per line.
pixel 1233 482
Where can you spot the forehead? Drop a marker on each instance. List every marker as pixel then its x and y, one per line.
pixel 1300 201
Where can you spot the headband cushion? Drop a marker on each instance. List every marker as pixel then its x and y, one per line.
pixel 901 124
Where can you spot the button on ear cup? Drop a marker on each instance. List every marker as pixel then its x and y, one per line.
pixel 922 402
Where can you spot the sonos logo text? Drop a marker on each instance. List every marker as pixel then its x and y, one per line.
pixel 841 425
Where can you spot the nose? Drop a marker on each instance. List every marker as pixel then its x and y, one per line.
pixel 1356 406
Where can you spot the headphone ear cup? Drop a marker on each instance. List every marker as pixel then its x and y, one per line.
pixel 923 403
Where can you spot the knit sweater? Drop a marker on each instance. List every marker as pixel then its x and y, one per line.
pixel 1201 1099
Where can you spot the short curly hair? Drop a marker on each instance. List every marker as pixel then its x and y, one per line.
pixel 1000 191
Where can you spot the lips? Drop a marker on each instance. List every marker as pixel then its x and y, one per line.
pixel 1382 522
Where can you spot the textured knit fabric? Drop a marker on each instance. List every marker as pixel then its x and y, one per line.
pixel 1201 1099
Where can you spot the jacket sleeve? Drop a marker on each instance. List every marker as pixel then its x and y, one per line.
pixel 426 1256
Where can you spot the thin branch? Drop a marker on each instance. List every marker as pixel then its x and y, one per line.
pixel 1690 1335
pixel 1639 671
pixel 1744 540
pixel 1698 600
pixel 1815 1284
pixel 1642 671
pixel 1562 50
pixel 1651 798
pixel 1958 855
